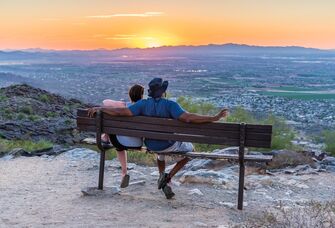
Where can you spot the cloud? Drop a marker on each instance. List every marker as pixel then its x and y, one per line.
pixel 146 14
pixel 121 37
pixel 51 19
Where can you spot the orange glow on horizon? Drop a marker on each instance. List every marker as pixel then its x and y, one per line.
pixel 113 24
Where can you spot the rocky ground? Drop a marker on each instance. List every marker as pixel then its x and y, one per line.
pixel 47 191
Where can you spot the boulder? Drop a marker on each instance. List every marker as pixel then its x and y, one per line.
pixel 204 176
pixel 285 158
pixel 328 164
pixel 195 191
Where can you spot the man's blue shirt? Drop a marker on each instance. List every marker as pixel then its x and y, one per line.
pixel 157 108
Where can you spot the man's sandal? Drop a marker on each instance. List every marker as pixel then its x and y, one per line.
pixel 125 181
pixel 168 192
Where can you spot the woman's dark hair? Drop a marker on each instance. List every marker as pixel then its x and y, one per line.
pixel 136 93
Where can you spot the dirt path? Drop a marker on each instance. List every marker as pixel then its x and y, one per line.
pixel 36 192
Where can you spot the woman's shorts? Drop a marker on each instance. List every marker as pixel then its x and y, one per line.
pixel 125 143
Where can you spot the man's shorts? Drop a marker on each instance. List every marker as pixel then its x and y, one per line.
pixel 182 147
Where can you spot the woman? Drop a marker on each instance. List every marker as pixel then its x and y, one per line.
pixel 121 143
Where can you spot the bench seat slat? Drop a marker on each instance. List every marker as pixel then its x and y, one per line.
pixel 259 158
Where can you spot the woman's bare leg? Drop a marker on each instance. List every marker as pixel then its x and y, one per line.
pixel 122 156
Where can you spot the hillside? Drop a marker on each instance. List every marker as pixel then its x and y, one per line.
pixel 34 114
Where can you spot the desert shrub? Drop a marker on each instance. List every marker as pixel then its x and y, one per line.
pixel 51 114
pixel 27 110
pixel 138 157
pixel 329 140
pixel 239 115
pixel 68 121
pixel 199 107
pixel 66 108
pixel 282 134
pixel 34 118
pixel 44 98
pixel 20 116
pixel 27 145
pixel 7 113
pixel 3 98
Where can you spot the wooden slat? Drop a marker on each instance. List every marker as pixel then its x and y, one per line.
pixel 174 137
pixel 169 122
pixel 160 128
pixel 178 137
pixel 251 128
pixel 259 158
pixel 174 129
pixel 258 144
pixel 166 122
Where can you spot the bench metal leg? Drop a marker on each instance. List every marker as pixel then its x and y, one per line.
pixel 101 169
pixel 241 162
pixel 241 187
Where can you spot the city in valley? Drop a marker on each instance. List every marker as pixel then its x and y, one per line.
pixel 295 83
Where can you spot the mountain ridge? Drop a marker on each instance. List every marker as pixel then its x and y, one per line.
pixel 226 45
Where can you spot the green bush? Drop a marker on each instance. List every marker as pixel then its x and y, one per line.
pixel 66 108
pixel 199 107
pixel 134 156
pixel 329 140
pixel 27 110
pixel 27 145
pixel 239 115
pixel 282 133
pixel 34 118
pixel 7 113
pixel 3 98
pixel 44 98
pixel 21 116
pixel 52 114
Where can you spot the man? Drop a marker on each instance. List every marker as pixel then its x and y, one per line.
pixel 158 106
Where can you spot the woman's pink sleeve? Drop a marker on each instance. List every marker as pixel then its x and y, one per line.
pixel 113 103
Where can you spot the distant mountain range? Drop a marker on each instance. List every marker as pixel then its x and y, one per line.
pixel 165 51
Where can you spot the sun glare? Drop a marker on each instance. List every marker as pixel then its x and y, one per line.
pixel 150 40
pixel 153 43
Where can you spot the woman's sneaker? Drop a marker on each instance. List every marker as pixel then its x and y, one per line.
pixel 168 191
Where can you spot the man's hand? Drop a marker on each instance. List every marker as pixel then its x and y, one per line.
pixel 222 114
pixel 92 111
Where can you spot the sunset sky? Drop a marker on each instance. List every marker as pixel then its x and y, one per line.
pixel 91 24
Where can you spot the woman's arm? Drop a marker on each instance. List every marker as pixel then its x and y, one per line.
pixel 110 111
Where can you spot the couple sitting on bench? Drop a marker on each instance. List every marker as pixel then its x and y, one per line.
pixel 155 106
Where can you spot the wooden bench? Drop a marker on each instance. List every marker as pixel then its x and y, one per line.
pixel 230 134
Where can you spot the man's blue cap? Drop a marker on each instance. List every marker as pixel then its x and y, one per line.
pixel 157 87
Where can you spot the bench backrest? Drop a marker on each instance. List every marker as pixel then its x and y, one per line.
pixel 168 129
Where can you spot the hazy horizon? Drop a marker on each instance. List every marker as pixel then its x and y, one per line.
pixel 183 45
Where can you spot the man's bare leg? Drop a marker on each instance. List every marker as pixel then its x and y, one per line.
pixel 161 164
pixel 179 165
